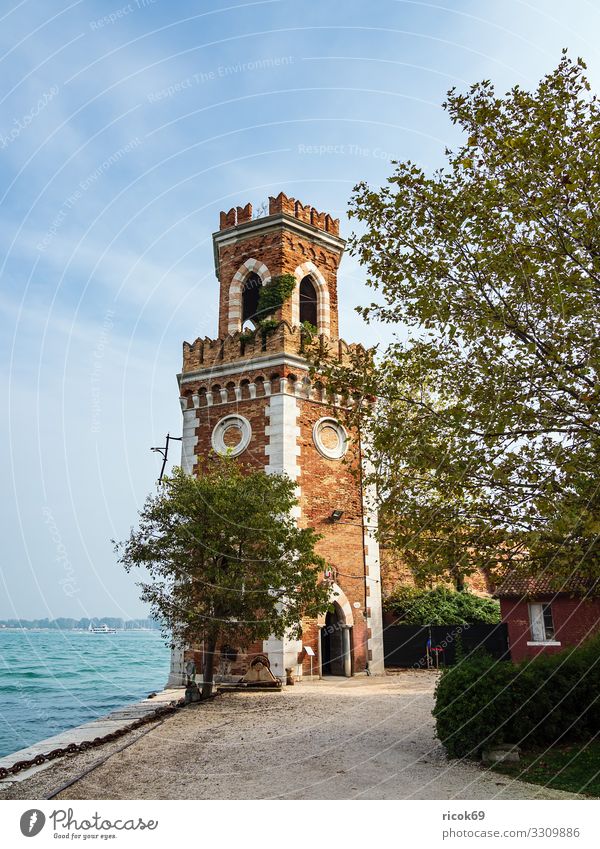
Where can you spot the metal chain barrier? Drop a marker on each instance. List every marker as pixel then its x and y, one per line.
pixel 73 748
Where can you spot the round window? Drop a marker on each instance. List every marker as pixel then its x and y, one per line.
pixel 231 435
pixel 330 438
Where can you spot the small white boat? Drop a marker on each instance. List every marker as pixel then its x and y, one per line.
pixel 101 629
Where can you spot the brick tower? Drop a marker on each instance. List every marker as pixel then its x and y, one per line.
pixel 251 395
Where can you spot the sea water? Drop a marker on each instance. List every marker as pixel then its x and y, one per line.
pixel 54 680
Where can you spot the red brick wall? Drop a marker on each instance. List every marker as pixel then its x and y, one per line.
pixel 254 411
pixel 282 252
pixel 395 572
pixel 574 621
pixel 235 669
pixel 327 485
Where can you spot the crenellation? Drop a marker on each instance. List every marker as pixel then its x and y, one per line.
pixel 244 213
pixel 241 347
pixel 227 219
pixel 317 219
pixel 231 348
pixel 302 212
pixel 282 205
pixel 332 225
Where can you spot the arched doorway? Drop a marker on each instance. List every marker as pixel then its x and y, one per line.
pixel 336 650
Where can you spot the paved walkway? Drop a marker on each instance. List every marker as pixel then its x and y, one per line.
pixel 368 738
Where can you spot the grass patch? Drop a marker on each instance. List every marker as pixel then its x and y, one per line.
pixel 574 768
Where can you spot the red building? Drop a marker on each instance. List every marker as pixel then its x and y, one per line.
pixel 542 619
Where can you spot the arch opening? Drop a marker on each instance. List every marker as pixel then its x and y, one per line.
pixel 336 652
pixel 308 302
pixel 250 294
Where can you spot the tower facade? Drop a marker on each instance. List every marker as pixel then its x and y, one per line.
pixel 250 394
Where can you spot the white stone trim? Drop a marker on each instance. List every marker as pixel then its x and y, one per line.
pixel 254 364
pixel 544 643
pixel 283 432
pixel 189 441
pixel 188 460
pixel 280 221
pixel 282 451
pixel 176 672
pixel 234 316
pixel 330 453
pixel 218 434
pixel 309 269
pixel 340 597
pixel 374 614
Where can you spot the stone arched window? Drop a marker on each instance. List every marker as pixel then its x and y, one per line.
pixel 309 272
pixel 253 269
pixel 250 293
pixel 308 302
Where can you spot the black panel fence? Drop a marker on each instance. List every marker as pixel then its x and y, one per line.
pixel 435 646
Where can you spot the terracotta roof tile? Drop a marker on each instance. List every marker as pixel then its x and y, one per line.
pixel 517 584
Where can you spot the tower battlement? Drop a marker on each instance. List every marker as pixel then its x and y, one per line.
pixel 242 347
pixel 282 205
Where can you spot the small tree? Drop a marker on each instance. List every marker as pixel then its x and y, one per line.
pixel 226 560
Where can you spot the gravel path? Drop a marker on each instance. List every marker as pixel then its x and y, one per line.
pixel 369 738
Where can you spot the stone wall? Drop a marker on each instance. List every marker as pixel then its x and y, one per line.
pixel 395 572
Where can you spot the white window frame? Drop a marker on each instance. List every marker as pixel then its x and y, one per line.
pixel 218 434
pixel 341 448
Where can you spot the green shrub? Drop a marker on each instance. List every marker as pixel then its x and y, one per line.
pixel 268 325
pixel 538 702
pixel 274 293
pixel 440 606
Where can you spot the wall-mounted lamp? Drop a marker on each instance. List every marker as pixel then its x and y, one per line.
pixel 164 453
pixel 336 515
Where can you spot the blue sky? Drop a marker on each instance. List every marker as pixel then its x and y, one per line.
pixel 124 129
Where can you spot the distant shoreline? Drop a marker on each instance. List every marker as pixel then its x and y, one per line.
pixel 79 623
pixel 74 630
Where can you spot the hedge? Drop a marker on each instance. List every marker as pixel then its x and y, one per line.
pixel 440 606
pixel 482 702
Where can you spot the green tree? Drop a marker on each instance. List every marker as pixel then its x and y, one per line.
pixel 487 435
pixel 226 560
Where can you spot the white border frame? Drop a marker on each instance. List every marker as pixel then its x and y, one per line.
pixel 234 314
pixel 309 269
pixel 329 453
pixel 233 420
